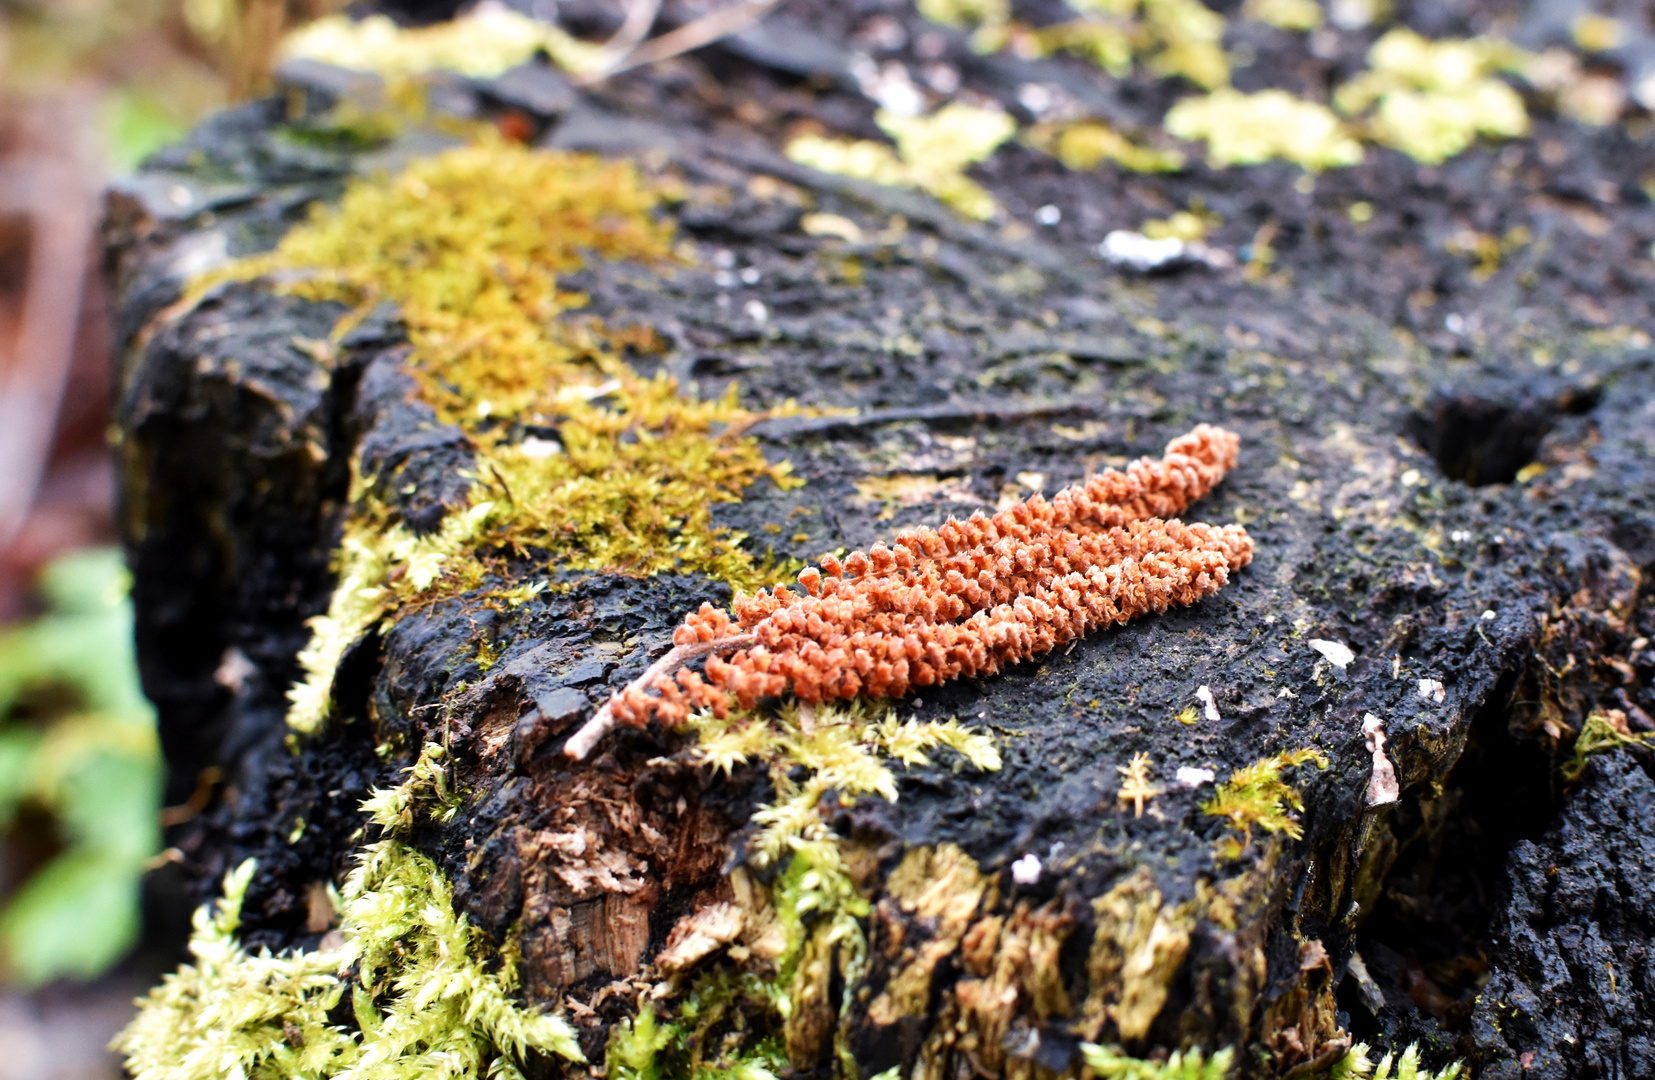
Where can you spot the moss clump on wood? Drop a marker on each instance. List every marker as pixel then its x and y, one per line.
pixel 750 985
pixel 469 245
pixel 1258 796
pixel 1110 1064
pixel 1432 99
pixel 428 997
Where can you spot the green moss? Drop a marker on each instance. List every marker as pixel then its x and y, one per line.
pixel 1431 99
pixel 839 750
pixel 485 42
pixel 469 245
pixel 1111 1064
pixel 814 903
pixel 931 154
pixel 1171 37
pixel 1356 1065
pixel 1601 733
pixel 698 1044
pixel 1257 796
pixel 427 995
pixel 1086 144
pixel 1245 129
pixel 1301 15
pixel 425 793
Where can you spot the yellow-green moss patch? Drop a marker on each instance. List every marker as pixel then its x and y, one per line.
pixel 1431 99
pixel 1086 144
pixel 427 994
pixel 484 42
pixel 469 245
pixel 931 153
pixel 1258 796
pixel 1246 129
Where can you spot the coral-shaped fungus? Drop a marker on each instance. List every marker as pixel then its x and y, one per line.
pixel 965 599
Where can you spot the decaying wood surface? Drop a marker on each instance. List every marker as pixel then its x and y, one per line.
pixel 1445 473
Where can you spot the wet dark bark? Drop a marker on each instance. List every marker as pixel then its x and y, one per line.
pixel 1388 398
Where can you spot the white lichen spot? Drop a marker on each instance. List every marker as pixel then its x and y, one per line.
pixel 1382 785
pixel 1191 777
pixel 1204 694
pixel 1026 871
pixel 1337 652
pixel 842 228
pixel 1135 251
pixel 1432 690
pixel 1284 692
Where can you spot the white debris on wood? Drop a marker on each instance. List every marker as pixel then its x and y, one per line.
pixel 1026 871
pixel 1372 996
pixel 535 448
pixel 1337 652
pixel 1432 690
pixel 1190 777
pixel 699 935
pixel 1204 694
pixel 1382 786
pixel 1134 251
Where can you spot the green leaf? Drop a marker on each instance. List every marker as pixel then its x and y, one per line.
pixel 17 750
pixel 109 802
pixel 75 917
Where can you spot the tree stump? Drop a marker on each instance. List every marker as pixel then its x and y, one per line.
pixel 1444 468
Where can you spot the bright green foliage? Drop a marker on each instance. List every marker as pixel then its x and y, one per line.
pixel 77 740
pixel 426 792
pixel 1435 97
pixel 932 153
pixel 1601 733
pixel 1246 129
pixel 135 125
pixel 1356 1065
pixel 1285 14
pixel 428 997
pixel 1086 144
pixel 1257 796
pixel 1110 1064
pixel 965 12
pixel 635 1046
pixel 482 43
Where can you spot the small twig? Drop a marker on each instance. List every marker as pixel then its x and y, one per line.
pixel 691 36
pixel 640 16
pixel 583 741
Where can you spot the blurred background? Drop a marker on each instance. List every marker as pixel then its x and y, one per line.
pixel 87 89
